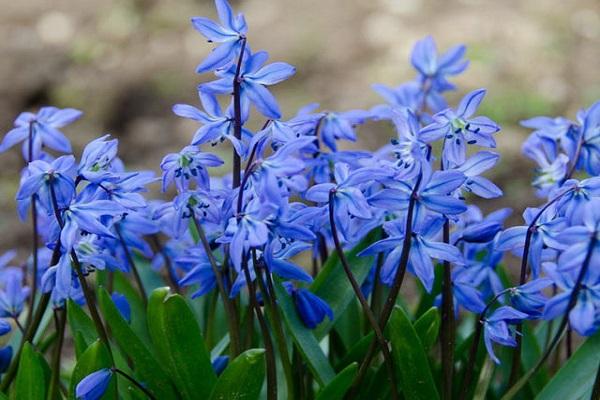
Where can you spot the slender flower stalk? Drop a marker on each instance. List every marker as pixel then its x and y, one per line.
pixel 361 298
pixel 270 302
pixel 269 350
pixel 237 111
pixel 135 383
pixel 227 302
pixel 447 327
pixel 34 237
pixel 390 301
pixel 60 319
pixel 130 260
pixel 87 291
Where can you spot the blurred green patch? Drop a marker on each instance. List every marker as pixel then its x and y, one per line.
pixel 512 105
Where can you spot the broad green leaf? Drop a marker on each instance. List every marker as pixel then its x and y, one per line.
pixel 410 359
pixel 33 375
pixel 243 378
pixel 179 344
pixel 82 327
pixel 427 328
pixel 304 338
pixel 147 368
pixel 338 387
pixel 357 352
pixel 94 358
pixel 485 378
pixel 576 377
pixel 332 285
pixel 348 325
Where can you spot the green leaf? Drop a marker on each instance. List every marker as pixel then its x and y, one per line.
pixel 331 284
pixel 179 344
pixel 304 338
pixel 357 352
pixel 338 387
pixel 124 285
pixel 82 327
pixel 576 377
pixel 145 364
pixel 243 378
pixel 33 375
pixel 410 359
pixel 94 358
pixel 428 327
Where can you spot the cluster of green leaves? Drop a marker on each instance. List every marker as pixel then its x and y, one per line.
pixel 164 348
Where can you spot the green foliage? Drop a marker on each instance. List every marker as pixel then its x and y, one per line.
pixel 33 376
pixel 243 378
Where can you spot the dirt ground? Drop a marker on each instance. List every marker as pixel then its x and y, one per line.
pixel 126 62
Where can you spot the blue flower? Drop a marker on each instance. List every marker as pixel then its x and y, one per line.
pixel 86 217
pixel 216 126
pixel 311 308
pixel 199 271
pixel 93 386
pixel 434 194
pixel 529 298
pixel 336 126
pixel 190 164
pixel 424 247
pixel 98 158
pixel 254 77
pixel 407 95
pixel 122 305
pixel 5 327
pixel 545 234
pixel 473 168
pixel 458 128
pixel 409 149
pixel 13 294
pixel 45 131
pixel 552 166
pixel 39 178
pixel 219 364
pixel 434 69
pixel 590 149
pixel 6 354
pixel 349 200
pixel 583 318
pixel 230 34
pixel 575 198
pixel 496 329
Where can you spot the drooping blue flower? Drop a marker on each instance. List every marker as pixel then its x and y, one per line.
pixel 458 128
pixel 590 140
pixel 6 354
pixel 199 271
pixel 496 329
pixel 584 317
pixel 216 125
pixel 545 232
pixel 311 308
pixel 552 165
pixel 473 168
pixel 336 126
pixel 229 33
pixel 348 199
pixel 13 294
pixel 407 95
pixel 219 364
pixel 528 298
pixel 254 77
pixel 576 197
pixel 87 217
pixel 93 386
pixel 434 193
pixel 424 247
pixel 45 131
pixel 189 165
pixel 5 327
pixel 122 305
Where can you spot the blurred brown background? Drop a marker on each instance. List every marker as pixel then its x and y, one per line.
pixel 126 62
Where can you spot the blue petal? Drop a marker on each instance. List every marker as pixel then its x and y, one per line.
pixel 262 99
pixel 469 104
pixel 272 73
